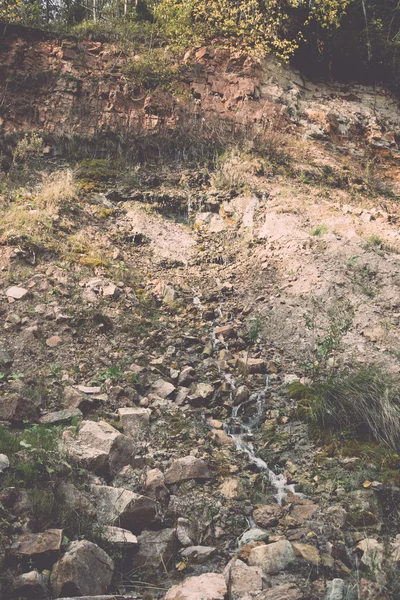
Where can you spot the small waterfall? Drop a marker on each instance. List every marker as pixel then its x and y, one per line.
pixel 241 433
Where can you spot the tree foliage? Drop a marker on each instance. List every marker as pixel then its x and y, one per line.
pixel 263 25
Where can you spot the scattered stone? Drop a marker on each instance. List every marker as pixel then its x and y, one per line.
pixel 156 549
pixel 201 394
pixel 53 341
pixel 88 389
pixel 122 539
pixel 198 554
pixel 187 531
pixel 241 579
pixel 84 569
pixel 186 376
pixel 267 515
pixel 242 394
pixel 16 293
pixel 16 409
pixel 100 447
pixel 135 421
pixel 337 516
pixel 36 544
pixel 272 558
pixel 286 591
pixel 308 552
pixel 120 507
pixel 6 358
pixel 31 585
pixel 250 366
pixel 232 489
pixel 155 485
pixel 227 331
pixel 253 535
pixel 4 462
pixel 335 590
pixel 73 399
pixel 209 586
pixel 78 500
pixel 181 395
pixel 61 416
pixel 302 513
pixel 183 469
pixel 162 388
pixel 372 554
pixel 222 438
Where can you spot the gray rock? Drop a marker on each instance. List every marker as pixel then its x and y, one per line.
pixel 61 416
pixel 157 549
pixel 38 544
pixel 31 585
pixel 4 462
pixel 84 569
pixel 242 579
pixel 202 393
pixel 120 507
pixel 162 388
pixel 100 447
pixel 6 358
pixel 186 376
pixel 209 586
pixel 198 554
pixel 272 558
pixel 76 499
pixel 335 590
pixel 135 421
pixel 155 485
pixel 183 469
pixel 187 531
pixel 122 539
pixel 253 535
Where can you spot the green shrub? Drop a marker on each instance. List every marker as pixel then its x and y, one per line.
pixel 152 70
pixel 365 402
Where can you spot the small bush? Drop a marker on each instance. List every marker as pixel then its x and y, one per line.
pixel 153 70
pixel 365 402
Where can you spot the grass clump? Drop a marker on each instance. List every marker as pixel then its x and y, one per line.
pixel 31 219
pixel 320 231
pixel 365 402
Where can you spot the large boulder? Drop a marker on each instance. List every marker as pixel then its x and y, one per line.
pixel 188 467
pixel 100 447
pixel 123 508
pixel 85 569
pixel 272 558
pixel 209 586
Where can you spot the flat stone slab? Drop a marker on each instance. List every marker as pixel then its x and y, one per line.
pixel 32 544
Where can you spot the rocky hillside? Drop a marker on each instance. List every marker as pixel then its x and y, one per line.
pixel 199 348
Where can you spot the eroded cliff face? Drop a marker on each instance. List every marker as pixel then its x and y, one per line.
pixel 71 86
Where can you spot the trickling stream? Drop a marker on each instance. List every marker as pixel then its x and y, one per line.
pixel 242 432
